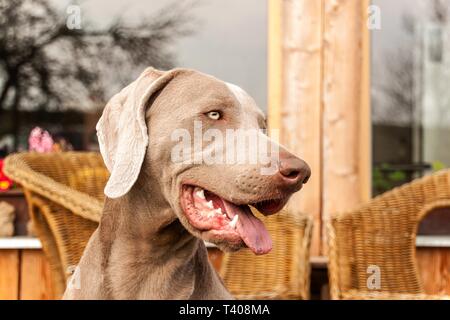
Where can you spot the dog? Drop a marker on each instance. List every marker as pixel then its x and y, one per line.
pixel 158 212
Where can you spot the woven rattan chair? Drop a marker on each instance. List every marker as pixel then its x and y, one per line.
pixel 383 234
pixel 64 191
pixel 284 273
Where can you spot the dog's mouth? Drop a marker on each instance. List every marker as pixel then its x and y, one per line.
pixel 227 222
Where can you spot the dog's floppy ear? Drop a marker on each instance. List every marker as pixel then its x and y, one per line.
pixel 122 130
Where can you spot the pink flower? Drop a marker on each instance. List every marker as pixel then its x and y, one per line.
pixel 40 140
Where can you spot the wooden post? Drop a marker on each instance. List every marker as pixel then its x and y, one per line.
pixel 295 85
pixel 319 99
pixel 302 109
pixel 275 63
pixel 346 114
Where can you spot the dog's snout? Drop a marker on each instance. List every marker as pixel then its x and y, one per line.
pixel 293 171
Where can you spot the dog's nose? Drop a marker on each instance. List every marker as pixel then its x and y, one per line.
pixel 293 171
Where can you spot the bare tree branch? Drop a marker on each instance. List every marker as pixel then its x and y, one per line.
pixel 54 67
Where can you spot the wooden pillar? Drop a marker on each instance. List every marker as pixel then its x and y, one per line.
pixel 302 109
pixel 275 63
pixel 319 99
pixel 346 113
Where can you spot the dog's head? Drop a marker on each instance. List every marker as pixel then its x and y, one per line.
pixel 199 140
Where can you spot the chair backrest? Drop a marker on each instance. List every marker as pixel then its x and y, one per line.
pixel 82 171
pixel 379 239
pixel 64 192
pixel 281 274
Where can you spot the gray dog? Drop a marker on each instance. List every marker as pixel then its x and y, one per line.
pixel 157 210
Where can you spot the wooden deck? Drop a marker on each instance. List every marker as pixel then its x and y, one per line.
pixel 25 274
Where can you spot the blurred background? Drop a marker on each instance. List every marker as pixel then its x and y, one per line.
pixel 357 88
pixel 59 77
pixel 410 99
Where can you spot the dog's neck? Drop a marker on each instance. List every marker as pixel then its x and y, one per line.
pixel 145 215
pixel 139 233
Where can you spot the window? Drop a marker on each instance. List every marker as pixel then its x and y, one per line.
pixel 199 36
pixel 411 97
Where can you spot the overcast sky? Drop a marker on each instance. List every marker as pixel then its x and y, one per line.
pixel 230 42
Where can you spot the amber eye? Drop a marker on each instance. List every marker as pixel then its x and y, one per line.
pixel 214 115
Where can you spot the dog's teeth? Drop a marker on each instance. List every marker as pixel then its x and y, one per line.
pixel 200 193
pixel 234 221
pixel 209 204
pixel 219 211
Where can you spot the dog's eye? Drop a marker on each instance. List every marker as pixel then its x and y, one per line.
pixel 215 115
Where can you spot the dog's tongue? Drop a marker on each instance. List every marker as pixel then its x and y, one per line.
pixel 250 228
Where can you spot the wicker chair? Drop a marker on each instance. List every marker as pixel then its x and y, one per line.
pixel 383 234
pixel 284 273
pixel 64 192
